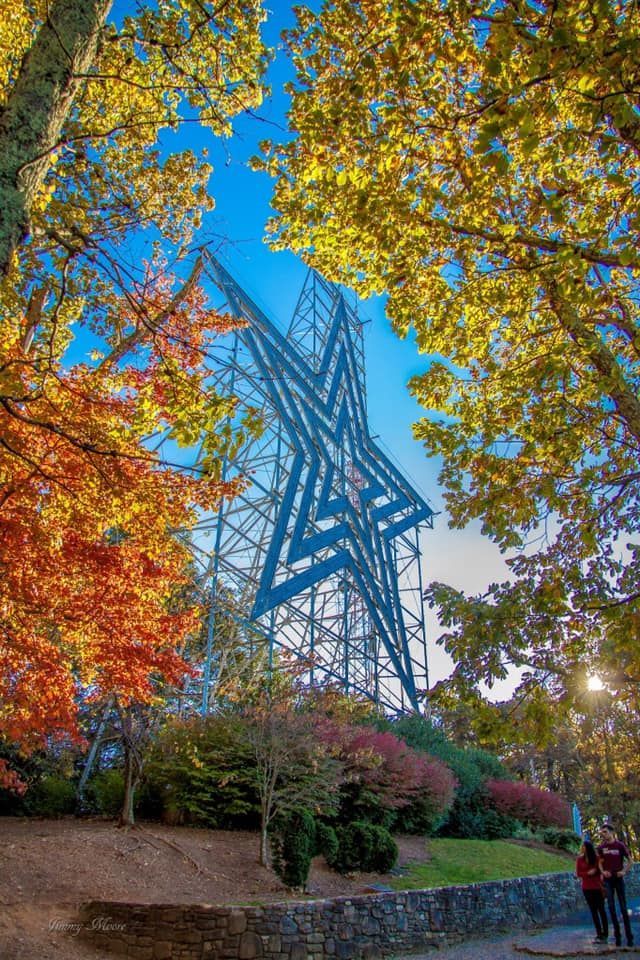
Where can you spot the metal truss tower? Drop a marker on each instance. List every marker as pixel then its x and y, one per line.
pixel 321 553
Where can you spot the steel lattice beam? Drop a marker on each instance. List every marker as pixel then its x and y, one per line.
pixel 323 548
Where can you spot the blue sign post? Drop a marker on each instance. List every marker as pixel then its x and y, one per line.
pixel 577 824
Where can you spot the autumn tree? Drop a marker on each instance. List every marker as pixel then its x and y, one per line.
pixel 591 760
pixel 95 97
pixel 294 768
pixel 478 163
pixel 89 565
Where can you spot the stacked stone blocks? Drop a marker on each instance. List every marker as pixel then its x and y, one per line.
pixel 364 927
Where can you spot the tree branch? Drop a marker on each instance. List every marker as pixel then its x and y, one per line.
pixel 147 327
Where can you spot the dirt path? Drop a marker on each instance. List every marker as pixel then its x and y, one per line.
pixel 49 867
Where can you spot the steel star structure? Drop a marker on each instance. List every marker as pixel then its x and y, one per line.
pixel 321 553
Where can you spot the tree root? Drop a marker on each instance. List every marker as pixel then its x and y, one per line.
pixel 200 869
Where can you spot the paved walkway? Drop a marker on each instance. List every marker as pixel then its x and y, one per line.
pixel 571 937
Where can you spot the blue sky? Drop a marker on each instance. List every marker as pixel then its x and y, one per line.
pixel 273 280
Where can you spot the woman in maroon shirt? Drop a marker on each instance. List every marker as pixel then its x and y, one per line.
pixel 588 872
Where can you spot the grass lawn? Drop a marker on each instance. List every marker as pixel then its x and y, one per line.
pixel 470 861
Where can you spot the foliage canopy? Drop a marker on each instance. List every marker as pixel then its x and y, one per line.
pixel 478 162
pixel 89 567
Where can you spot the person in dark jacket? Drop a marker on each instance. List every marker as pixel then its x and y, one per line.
pixel 614 861
pixel 588 872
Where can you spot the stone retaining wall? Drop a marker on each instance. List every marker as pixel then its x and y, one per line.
pixel 632 882
pixel 347 928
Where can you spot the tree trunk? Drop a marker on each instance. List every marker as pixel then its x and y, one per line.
pixel 91 759
pixel 127 818
pixel 264 847
pixel 131 743
pixel 267 775
pixel 37 107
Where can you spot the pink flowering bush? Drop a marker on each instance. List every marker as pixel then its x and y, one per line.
pixel 382 775
pixel 530 805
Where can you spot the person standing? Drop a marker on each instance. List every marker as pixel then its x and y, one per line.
pixel 614 861
pixel 588 872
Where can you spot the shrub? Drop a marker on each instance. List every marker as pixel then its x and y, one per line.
pixel 105 792
pixel 422 818
pixel 524 833
pixel 148 801
pixel 31 796
pixel 470 815
pixel 530 805
pixel 326 841
pixel 293 846
pixel 562 839
pixel 473 817
pixel 172 815
pixel 419 818
pixel 12 803
pixel 201 771
pixel 465 821
pixel 383 775
pixel 10 781
pixel 53 796
pixel 496 826
pixel 384 850
pixel 364 846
